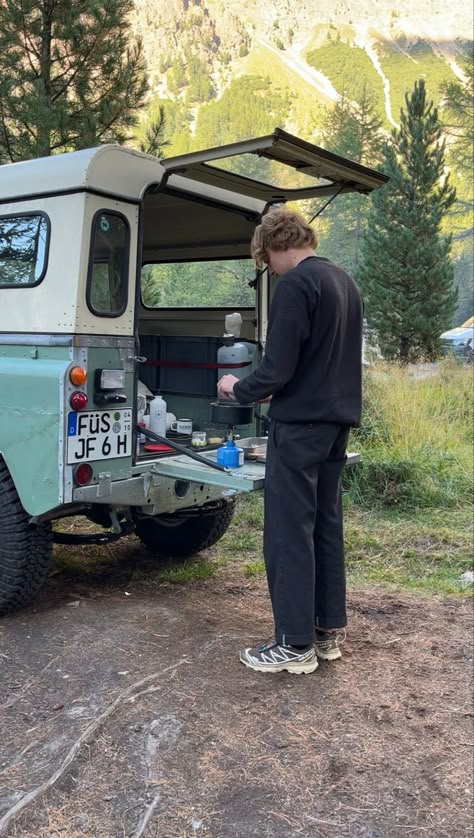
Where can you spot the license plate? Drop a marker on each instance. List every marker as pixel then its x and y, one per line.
pixel 99 435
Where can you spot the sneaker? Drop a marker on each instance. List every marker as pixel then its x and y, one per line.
pixel 271 657
pixel 327 644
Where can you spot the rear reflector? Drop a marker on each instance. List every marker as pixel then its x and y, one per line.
pixel 83 474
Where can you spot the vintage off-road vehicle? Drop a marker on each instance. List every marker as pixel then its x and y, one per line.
pixel 113 269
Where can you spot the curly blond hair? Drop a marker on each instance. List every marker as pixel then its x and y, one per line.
pixel 280 229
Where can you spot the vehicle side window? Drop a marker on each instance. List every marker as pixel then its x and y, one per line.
pixel 24 242
pixel 107 280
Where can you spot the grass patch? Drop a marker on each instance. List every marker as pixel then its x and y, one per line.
pixel 92 561
pixel 425 551
pixel 415 439
pixel 256 568
pixel 191 571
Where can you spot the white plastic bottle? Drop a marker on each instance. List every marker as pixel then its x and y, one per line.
pixel 158 415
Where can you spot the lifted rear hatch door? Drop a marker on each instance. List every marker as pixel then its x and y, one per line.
pixel 276 168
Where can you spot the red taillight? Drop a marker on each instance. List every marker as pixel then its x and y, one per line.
pixel 78 400
pixel 83 474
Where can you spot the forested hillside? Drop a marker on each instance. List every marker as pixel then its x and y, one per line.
pixel 228 71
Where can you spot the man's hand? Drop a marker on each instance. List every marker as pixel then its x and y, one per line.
pixel 225 386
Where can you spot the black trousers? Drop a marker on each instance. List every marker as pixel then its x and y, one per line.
pixel 303 530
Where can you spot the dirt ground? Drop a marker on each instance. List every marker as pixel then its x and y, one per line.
pixel 378 744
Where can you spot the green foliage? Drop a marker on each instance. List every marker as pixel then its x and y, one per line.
pixel 404 67
pixel 164 64
pixel 415 438
pixel 177 78
pixel 152 141
pixel 352 128
pixel 405 271
pixel 200 87
pixel 157 126
pixel 458 112
pixel 243 51
pixel 70 76
pixel 279 44
pixel 177 124
pixel 195 284
pixel 458 118
pixel 247 108
pixel 345 66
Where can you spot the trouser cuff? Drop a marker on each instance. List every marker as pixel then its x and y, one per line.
pixel 284 639
pixel 331 621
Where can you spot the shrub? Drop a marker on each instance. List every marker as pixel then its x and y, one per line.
pixel 415 438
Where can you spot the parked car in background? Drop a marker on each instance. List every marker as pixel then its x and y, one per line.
pixel 458 342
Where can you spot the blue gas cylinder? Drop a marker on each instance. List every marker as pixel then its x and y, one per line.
pixel 229 455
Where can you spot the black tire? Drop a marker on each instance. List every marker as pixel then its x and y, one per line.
pixel 25 549
pixel 182 536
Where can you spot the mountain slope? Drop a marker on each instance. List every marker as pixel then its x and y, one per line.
pixel 196 49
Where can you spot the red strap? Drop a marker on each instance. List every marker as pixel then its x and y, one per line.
pixel 196 366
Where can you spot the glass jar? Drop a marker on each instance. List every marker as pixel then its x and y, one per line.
pixel 215 436
pixel 199 439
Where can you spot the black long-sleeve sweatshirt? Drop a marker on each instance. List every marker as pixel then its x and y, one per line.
pixel 312 365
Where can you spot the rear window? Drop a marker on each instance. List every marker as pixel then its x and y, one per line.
pixel 24 242
pixel 107 281
pixel 212 284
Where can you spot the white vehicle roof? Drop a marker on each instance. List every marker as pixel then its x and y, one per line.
pixel 114 170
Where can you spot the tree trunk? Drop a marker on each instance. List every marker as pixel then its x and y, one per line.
pixel 404 349
pixel 44 128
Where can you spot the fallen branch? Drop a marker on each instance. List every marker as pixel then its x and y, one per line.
pixel 146 817
pixel 29 798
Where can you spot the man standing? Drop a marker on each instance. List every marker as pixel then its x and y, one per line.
pixel 312 370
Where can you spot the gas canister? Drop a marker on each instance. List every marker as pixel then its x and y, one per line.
pixel 229 455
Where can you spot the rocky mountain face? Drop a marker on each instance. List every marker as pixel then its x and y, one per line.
pixel 221 34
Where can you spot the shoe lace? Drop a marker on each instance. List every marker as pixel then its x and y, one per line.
pixel 337 637
pixel 269 644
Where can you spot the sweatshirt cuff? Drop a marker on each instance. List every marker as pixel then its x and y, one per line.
pixel 240 395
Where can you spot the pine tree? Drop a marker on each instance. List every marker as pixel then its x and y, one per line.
pixel 458 117
pixel 71 76
pixel 405 272
pixel 353 129
pixel 459 110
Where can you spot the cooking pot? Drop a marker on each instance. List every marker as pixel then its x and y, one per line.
pixel 231 413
